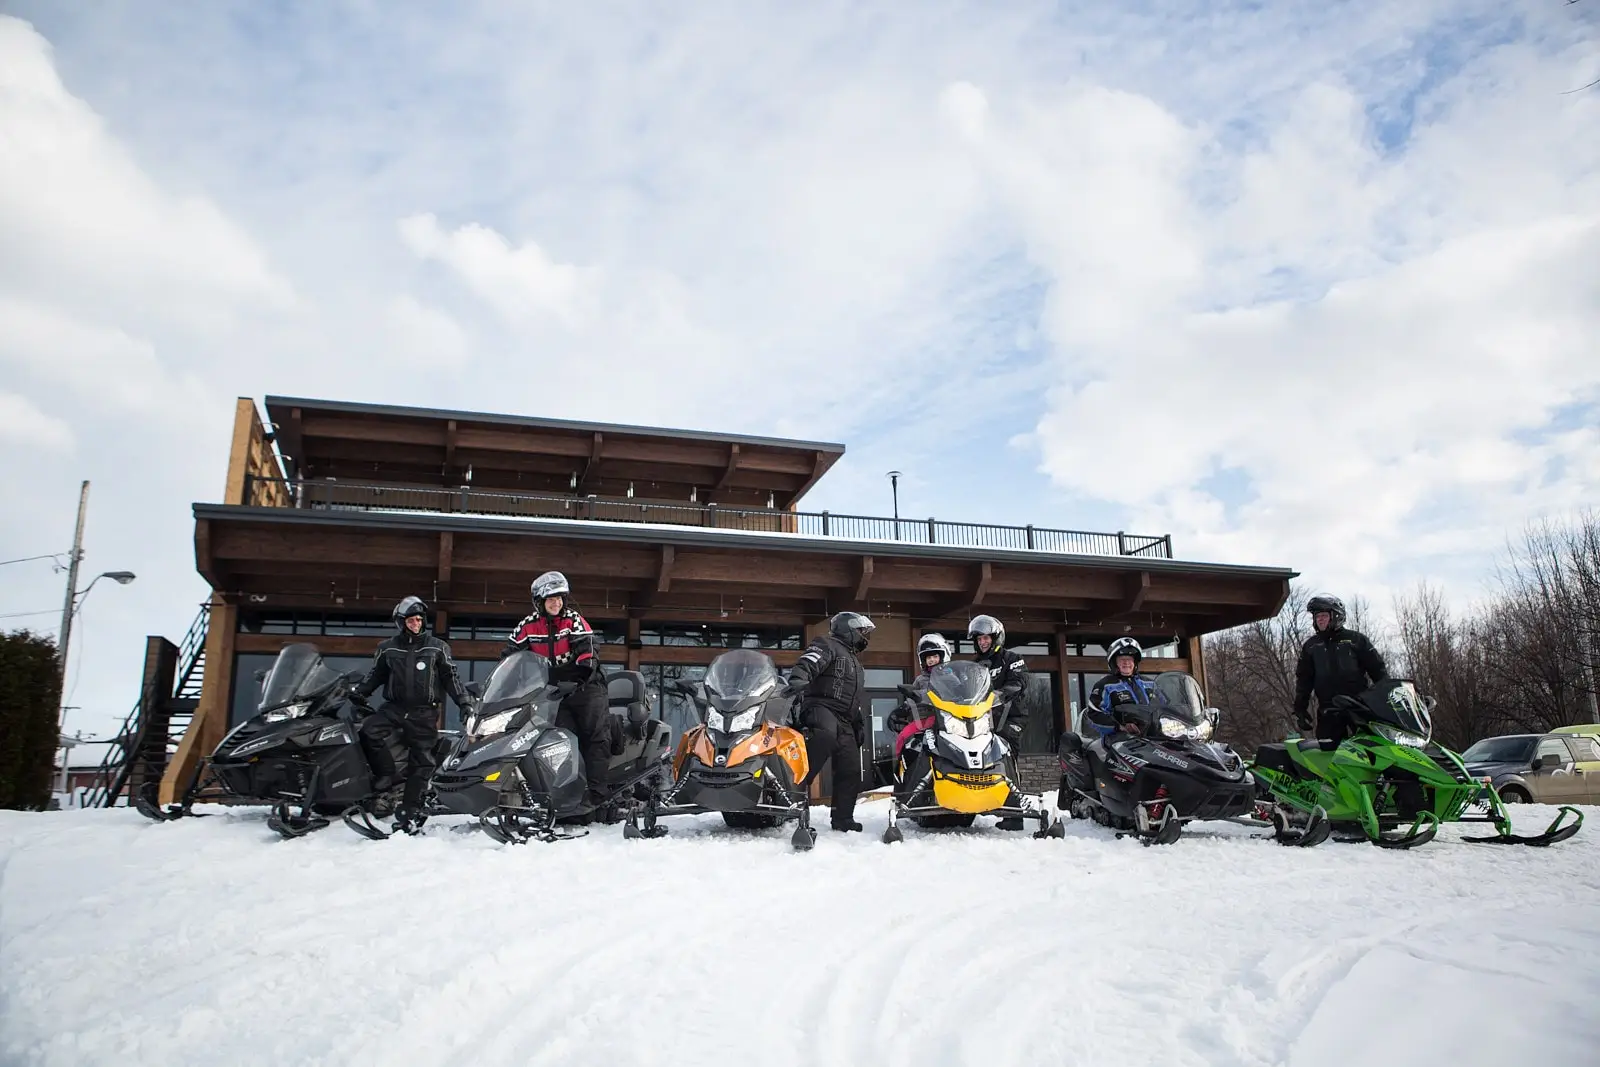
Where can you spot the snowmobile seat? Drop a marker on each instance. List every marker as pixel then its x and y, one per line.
pixel 630 700
pixel 1276 758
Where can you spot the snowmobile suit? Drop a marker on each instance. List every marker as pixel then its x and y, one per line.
pixel 829 680
pixel 415 672
pixel 1336 662
pixel 1115 689
pixel 1009 680
pixel 567 641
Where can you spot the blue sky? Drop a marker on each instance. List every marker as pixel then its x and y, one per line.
pixel 1302 284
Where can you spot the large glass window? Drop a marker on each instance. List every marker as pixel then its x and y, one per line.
pixel 673 708
pixel 1039 701
pixel 707 636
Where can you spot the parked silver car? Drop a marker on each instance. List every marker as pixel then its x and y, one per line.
pixel 1542 768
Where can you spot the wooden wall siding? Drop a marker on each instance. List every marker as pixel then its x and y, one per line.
pixel 422 448
pixel 291 564
pixel 251 454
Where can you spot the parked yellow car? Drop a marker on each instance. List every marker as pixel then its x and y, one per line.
pixel 1560 767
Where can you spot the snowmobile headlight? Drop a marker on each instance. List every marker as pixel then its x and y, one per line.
pixel 713 720
pixel 290 711
pixel 1203 729
pixel 494 724
pixel 1395 735
pixel 952 724
pixel 1175 728
pixel 554 751
pixel 745 720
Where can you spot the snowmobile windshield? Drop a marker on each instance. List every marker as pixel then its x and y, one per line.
pixel 1179 694
pixel 1501 750
pixel 961 682
pixel 518 679
pixel 1395 710
pixel 739 678
pixel 297 676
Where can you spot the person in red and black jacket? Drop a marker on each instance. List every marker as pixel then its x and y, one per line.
pixel 557 632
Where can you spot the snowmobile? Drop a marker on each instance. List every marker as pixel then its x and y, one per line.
pixel 958 768
pixel 301 750
pixel 1152 767
pixel 743 760
pixel 1389 772
pixel 522 775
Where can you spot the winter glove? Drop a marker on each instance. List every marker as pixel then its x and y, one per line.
pixel 1302 721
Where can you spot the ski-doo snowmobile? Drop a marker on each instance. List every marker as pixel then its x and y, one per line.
pixel 1150 768
pixel 300 752
pixel 1387 773
pixel 521 774
pixel 958 767
pixel 743 760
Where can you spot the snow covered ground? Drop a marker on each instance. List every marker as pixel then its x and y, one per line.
pixel 210 941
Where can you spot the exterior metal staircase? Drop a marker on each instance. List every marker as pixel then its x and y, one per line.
pixel 149 736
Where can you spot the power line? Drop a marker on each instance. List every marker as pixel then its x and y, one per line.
pixel 25 614
pixel 29 559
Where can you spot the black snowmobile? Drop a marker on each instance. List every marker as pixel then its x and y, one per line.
pixel 1150 768
pixel 519 773
pixel 300 752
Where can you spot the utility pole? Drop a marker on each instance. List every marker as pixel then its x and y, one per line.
pixel 64 641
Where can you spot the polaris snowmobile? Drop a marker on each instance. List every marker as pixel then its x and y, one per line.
pixel 1150 768
pixel 1387 773
pixel 958 768
pixel 743 760
pixel 520 773
pixel 300 752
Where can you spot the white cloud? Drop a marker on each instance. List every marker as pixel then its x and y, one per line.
pixel 26 426
pixel 521 282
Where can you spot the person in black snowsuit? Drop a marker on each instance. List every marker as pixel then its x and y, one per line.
pixel 1334 662
pixel 1008 673
pixel 1008 677
pixel 829 683
pixel 561 635
pixel 415 671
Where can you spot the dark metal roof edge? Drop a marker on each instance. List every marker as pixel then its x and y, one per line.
pixel 531 421
pixel 607 531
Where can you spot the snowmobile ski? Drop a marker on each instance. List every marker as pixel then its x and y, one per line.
pixel 359 819
pixel 1422 831
pixel 144 802
pixel 1553 834
pixel 1300 829
pixel 288 825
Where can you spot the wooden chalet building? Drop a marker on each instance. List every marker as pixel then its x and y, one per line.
pixel 678 545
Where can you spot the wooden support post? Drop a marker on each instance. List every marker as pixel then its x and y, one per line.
pixel 1195 649
pixel 633 643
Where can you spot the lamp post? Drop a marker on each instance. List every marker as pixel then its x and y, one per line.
pixel 894 487
pixel 75 598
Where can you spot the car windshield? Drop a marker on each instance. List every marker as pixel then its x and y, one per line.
pixel 517 679
pixel 1501 750
pixel 744 673
pixel 961 682
pixel 1179 694
pixel 297 674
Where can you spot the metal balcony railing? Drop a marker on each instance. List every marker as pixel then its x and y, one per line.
pixel 331 495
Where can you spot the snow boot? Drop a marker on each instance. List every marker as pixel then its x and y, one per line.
pixel 1011 822
pixel 407 821
pixel 847 827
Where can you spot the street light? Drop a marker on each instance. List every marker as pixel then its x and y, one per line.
pixel 74 602
pixel 894 487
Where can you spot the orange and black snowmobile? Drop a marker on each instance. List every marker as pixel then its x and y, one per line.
pixel 744 760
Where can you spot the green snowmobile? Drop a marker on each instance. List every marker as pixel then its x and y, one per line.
pixel 1385 774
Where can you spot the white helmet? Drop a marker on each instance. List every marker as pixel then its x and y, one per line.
pixel 548 584
pixel 933 643
pixel 1124 646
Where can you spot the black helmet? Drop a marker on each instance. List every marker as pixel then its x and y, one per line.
pixel 411 605
pixel 1124 646
pixel 987 624
pixel 853 628
pixel 1332 605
